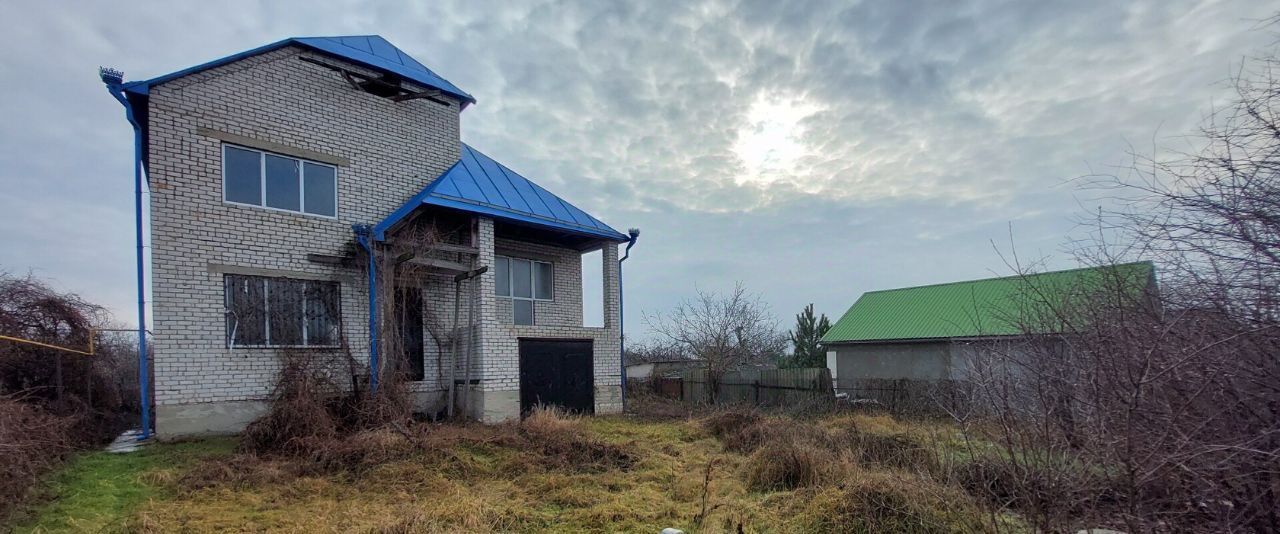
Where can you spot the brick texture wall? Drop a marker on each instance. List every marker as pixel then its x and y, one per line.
pixel 392 150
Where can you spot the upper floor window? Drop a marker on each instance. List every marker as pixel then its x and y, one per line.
pixel 269 180
pixel 523 281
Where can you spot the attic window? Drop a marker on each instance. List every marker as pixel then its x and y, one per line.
pixel 386 85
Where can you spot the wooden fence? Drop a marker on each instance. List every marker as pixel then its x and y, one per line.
pixel 907 397
pixel 762 387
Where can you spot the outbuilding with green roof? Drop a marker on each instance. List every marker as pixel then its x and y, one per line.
pixel 930 332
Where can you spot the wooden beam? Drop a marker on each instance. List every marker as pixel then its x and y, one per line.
pixel 442 247
pixel 351 75
pixel 404 257
pixel 443 265
pixel 427 95
pixel 327 259
pixel 354 84
pixel 461 249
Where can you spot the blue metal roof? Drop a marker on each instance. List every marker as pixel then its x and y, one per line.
pixel 478 184
pixel 370 50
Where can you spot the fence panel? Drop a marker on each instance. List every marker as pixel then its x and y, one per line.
pixel 764 387
pixel 908 397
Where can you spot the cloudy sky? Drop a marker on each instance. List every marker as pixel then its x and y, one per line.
pixel 813 151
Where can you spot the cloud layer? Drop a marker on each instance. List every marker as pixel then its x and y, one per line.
pixel 813 150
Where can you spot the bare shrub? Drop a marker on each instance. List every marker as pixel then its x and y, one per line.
pixel 303 414
pixel 54 401
pixel 32 441
pixel 1143 409
pixel 1045 492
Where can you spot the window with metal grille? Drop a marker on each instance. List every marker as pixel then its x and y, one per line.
pixel 281 312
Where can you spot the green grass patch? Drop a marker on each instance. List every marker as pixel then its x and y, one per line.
pixel 97 489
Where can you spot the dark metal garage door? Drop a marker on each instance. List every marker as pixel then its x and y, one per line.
pixel 556 373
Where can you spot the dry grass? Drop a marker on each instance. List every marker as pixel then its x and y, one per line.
pixel 558 473
pixel 882 501
pixel 790 465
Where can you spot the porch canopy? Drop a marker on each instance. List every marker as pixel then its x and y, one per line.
pixel 521 209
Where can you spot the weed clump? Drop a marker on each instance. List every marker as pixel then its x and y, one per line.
pixel 563 443
pixel 897 451
pixel 874 501
pixel 788 465
pixel 240 471
pixel 729 422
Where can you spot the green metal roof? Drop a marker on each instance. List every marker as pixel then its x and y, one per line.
pixel 975 308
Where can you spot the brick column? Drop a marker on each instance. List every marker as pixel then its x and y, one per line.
pixel 608 365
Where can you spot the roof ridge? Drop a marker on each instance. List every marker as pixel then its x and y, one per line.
pixel 1009 277
pixel 333 45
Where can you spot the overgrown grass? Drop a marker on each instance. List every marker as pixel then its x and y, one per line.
pixel 97 490
pixel 614 474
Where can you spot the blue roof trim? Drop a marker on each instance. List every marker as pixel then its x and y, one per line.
pixel 478 184
pixel 499 213
pixel 369 50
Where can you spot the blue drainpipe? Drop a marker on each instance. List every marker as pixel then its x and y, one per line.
pixel 364 235
pixel 114 80
pixel 634 234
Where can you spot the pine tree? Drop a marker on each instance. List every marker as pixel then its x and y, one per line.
pixel 804 339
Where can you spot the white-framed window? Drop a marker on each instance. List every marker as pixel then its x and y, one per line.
pixel 281 312
pixel 523 281
pixel 255 178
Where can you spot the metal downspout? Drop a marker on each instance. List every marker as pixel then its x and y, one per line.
pixel 364 236
pixel 634 234
pixel 114 81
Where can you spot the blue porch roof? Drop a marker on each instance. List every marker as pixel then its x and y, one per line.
pixel 478 184
pixel 369 50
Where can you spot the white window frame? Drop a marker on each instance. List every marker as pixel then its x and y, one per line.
pixel 266 306
pixel 262 182
pixel 533 290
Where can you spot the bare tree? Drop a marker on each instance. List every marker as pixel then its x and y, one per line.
pixel 1212 217
pixel 1155 411
pixel 725 332
pixel 656 350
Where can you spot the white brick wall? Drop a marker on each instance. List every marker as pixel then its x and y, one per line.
pixel 394 150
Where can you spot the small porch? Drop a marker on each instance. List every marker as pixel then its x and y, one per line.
pixel 474 280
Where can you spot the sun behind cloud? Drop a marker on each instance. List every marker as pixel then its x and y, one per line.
pixel 770 144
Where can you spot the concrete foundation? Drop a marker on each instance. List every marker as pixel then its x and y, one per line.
pixel 494 406
pixel 206 418
pixel 608 399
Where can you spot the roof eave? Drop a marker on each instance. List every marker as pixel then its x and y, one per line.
pixel 143 87
pixel 919 339
pixel 520 218
pixel 426 197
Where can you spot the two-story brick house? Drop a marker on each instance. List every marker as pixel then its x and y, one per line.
pixel 279 179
